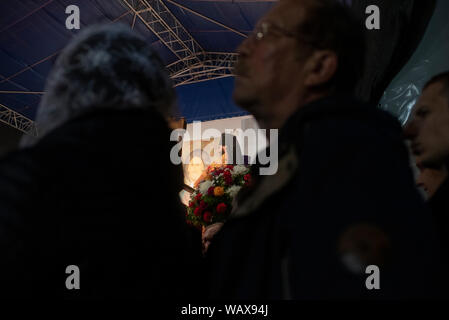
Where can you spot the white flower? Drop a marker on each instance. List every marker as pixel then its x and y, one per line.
pixel 232 191
pixel 239 169
pixel 204 186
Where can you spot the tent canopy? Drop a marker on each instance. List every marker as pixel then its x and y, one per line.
pixel 197 40
pixel 33 32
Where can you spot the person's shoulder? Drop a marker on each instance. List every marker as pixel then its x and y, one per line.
pixel 109 129
pixel 352 120
pixel 113 122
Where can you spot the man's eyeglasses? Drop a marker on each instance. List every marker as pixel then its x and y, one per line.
pixel 265 28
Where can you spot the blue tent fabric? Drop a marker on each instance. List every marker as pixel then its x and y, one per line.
pixel 199 100
pixel 32 32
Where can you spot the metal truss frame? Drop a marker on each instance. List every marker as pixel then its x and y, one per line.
pixel 193 64
pixel 213 65
pixel 18 121
pixel 184 8
pixel 159 19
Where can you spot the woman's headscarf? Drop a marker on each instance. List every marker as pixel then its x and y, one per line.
pixel 105 66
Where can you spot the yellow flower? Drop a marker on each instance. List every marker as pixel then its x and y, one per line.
pixel 218 191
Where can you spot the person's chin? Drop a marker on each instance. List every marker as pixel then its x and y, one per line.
pixel 240 94
pixel 240 82
pixel 244 101
pixel 244 94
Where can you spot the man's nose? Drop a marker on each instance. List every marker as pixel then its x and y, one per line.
pixel 245 47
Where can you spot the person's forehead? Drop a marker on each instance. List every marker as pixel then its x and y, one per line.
pixel 433 95
pixel 436 88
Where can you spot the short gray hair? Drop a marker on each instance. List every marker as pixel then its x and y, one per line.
pixel 105 66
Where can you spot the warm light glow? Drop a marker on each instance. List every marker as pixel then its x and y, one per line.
pixel 194 169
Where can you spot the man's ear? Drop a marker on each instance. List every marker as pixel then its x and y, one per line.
pixel 320 68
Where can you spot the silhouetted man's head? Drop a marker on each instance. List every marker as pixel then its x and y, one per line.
pixel 428 128
pixel 300 50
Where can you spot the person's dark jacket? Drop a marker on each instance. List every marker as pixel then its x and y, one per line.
pixel 99 193
pixel 439 204
pixel 343 198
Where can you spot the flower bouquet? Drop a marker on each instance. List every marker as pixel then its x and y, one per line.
pixel 211 201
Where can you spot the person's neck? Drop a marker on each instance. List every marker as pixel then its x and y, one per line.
pixel 282 109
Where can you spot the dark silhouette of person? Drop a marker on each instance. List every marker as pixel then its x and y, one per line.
pixel 343 199
pixel 428 132
pixel 96 188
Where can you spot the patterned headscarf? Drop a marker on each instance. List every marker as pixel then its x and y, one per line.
pixel 105 66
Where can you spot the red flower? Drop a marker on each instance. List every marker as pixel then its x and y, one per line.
pixel 221 207
pixel 197 212
pixel 230 166
pixel 210 191
pixel 228 180
pixel 207 217
pixel 203 205
pixel 198 197
pixel 247 178
pixel 227 177
pixel 191 204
